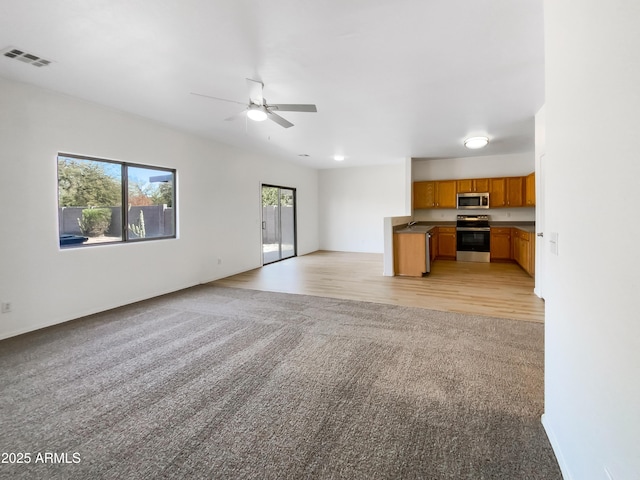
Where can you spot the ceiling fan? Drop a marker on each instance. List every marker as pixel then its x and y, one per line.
pixel 258 109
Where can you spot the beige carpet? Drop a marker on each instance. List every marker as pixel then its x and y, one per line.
pixel 216 382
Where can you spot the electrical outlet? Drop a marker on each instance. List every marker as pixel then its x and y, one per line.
pixel 219 261
pixel 6 307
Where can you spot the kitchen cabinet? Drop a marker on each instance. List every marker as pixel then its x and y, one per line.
pixel 446 194
pixel 472 185
pixel 424 195
pixel 500 244
pixel 497 192
pixel 481 185
pixel 447 242
pixel 515 191
pixel 530 190
pixel 409 254
pixel 524 250
pixel 506 192
pixel 503 191
pixel 434 194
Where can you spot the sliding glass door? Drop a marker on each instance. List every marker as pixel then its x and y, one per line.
pixel 278 223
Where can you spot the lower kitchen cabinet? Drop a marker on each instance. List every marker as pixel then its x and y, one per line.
pixel 447 242
pixel 524 250
pixel 409 254
pixel 500 244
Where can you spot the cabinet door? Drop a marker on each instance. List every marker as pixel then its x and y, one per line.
pixel 424 194
pixel 446 194
pixel 409 251
pixel 500 244
pixel 530 190
pixel 522 250
pixel 481 185
pixel 515 191
pixel 497 192
pixel 464 186
pixel 447 242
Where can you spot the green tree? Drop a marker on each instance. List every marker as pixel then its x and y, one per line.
pixel 86 183
pixel 95 221
pixel 163 194
pixel 270 197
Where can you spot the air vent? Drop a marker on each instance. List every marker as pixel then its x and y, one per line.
pixel 30 58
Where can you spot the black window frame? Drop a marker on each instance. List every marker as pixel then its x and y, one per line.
pixel 124 175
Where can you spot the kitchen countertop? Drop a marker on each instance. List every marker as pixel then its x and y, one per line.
pixel 424 227
pixel 524 226
pixel 414 228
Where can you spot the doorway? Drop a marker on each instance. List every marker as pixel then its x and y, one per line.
pixel 278 223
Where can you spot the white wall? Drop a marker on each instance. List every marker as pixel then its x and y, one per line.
pixel 218 209
pixel 541 251
pixel 353 203
pixel 592 365
pixel 487 166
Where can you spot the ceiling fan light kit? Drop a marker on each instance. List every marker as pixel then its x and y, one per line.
pixel 256 113
pixel 476 142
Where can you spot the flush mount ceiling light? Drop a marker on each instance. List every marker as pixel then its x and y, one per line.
pixel 476 142
pixel 257 113
pixel 338 158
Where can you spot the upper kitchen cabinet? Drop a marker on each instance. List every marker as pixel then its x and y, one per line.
pixel 506 192
pixel 530 190
pixel 473 185
pixel 503 191
pixel 515 191
pixel 434 194
pixel 497 192
pixel 446 194
pixel 424 195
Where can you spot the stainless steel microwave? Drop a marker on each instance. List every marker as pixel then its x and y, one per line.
pixel 472 200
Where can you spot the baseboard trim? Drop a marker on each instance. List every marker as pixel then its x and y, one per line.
pixel 92 311
pixel 555 445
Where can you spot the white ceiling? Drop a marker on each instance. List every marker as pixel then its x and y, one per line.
pixel 391 79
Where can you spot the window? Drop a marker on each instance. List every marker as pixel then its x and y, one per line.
pixel 102 201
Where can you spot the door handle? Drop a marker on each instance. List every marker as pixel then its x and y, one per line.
pixel 541 234
pixel 264 225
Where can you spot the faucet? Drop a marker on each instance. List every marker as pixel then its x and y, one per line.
pixel 412 223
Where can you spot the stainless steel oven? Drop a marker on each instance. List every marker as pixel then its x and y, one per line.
pixel 473 237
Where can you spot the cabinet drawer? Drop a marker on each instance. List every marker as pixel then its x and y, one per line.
pixel 521 234
pixel 500 231
pixel 446 229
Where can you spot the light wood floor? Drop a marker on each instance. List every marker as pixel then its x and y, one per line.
pixel 493 289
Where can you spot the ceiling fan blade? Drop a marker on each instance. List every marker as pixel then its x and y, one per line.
pixel 242 114
pixel 293 107
pixel 279 120
pixel 217 98
pixel 255 91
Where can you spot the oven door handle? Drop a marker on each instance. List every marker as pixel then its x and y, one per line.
pixel 473 229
